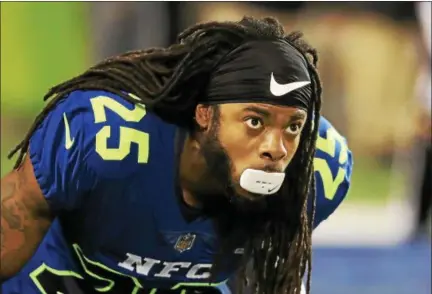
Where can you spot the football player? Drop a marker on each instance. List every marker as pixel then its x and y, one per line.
pixel 168 170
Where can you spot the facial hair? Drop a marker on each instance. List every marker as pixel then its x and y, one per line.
pixel 217 181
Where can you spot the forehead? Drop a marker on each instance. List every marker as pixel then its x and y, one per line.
pixel 262 109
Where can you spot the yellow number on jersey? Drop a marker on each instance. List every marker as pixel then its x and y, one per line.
pixel 328 145
pixel 127 135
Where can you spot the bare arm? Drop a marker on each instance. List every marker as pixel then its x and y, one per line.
pixel 25 218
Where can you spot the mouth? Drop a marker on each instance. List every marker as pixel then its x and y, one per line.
pixel 251 195
pixel 262 181
pixel 269 169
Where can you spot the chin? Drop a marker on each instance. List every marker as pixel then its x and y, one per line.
pixel 248 202
pixel 248 195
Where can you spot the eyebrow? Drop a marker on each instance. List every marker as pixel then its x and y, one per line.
pixel 258 110
pixel 296 116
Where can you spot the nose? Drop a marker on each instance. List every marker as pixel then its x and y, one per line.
pixel 273 148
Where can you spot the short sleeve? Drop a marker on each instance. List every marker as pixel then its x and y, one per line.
pixel 58 151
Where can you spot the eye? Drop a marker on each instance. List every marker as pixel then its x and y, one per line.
pixel 254 123
pixel 294 129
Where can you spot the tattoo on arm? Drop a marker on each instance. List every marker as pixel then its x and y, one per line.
pixel 25 218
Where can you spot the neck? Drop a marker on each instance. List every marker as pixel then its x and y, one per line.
pixel 191 166
pixel 189 199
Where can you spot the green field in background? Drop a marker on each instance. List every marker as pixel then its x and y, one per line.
pixel 41 45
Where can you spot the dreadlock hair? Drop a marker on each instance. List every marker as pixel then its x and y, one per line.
pixel 169 82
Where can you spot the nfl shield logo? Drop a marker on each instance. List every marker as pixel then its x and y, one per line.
pixel 185 242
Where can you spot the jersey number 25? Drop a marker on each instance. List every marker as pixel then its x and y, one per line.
pixel 127 135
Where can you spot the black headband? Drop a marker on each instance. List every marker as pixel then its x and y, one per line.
pixel 271 72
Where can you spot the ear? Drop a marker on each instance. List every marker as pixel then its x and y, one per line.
pixel 203 116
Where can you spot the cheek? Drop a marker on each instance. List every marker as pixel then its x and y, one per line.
pixel 240 148
pixel 292 148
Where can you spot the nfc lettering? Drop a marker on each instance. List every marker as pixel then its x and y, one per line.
pixel 149 267
pixel 140 267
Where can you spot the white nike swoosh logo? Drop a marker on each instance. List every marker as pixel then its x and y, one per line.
pixel 68 139
pixel 282 89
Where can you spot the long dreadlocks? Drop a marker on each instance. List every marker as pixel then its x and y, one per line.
pixel 169 82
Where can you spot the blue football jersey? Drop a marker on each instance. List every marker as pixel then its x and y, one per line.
pixel 108 169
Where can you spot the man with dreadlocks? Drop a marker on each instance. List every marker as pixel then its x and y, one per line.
pixel 168 170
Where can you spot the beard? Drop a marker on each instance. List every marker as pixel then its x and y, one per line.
pixel 215 188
